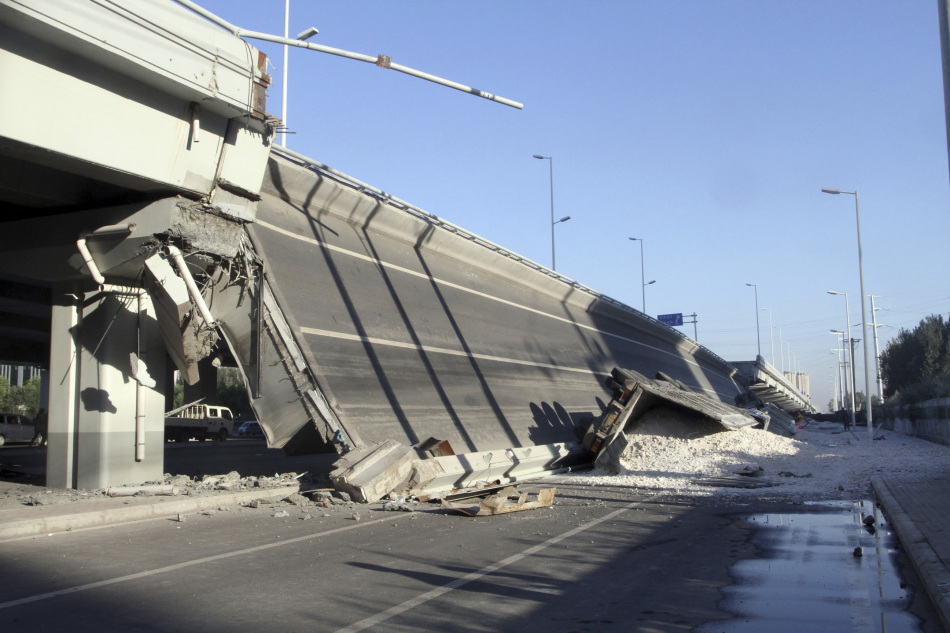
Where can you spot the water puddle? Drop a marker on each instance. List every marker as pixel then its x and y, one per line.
pixel 831 567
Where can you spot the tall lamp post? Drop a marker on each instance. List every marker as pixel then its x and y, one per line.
pixel 643 284
pixel 781 348
pixel 864 318
pixel 758 337
pixel 849 375
pixel 877 350
pixel 550 160
pixel 302 36
pixel 842 366
pixel 771 335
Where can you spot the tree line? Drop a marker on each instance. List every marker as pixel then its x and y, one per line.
pixel 24 400
pixel 915 365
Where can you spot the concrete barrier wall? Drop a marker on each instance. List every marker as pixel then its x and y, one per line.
pixel 928 420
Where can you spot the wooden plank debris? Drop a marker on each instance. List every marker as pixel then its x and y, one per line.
pixel 504 502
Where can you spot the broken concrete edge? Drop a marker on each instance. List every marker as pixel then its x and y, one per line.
pixel 369 474
pixel 157 509
pixel 390 468
pixel 932 571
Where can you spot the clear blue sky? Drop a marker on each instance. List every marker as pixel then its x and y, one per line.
pixel 705 128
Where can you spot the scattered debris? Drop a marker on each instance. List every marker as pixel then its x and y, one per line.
pixel 780 421
pixel 739 481
pixel 751 471
pixel 130 491
pixel 398 503
pixel 398 506
pixel 435 448
pixel 458 494
pixel 297 499
pixel 503 502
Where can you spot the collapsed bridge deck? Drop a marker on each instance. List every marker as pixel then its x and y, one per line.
pixel 411 328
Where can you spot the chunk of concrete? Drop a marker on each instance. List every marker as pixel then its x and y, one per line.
pixel 370 474
pixel 502 466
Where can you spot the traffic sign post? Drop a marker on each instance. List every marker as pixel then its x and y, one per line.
pixel 677 319
pixel 671 319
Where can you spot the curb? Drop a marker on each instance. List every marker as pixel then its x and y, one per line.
pixel 933 572
pixel 126 513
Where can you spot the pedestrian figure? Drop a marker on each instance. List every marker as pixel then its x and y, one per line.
pixel 40 423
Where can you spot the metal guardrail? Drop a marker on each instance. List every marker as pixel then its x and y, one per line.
pixel 438 222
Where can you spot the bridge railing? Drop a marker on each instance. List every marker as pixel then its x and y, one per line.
pixel 441 223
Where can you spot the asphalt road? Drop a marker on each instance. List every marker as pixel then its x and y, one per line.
pixel 599 560
pixel 603 558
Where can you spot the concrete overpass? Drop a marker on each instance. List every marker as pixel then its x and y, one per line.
pixel 148 219
pixel 766 382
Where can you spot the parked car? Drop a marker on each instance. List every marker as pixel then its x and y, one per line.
pixel 15 428
pixel 251 428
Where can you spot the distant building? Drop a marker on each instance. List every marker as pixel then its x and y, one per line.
pixel 801 381
pixel 17 374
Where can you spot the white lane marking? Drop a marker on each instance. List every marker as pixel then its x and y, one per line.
pixel 450 284
pixel 444 350
pixel 483 295
pixel 190 563
pixel 484 571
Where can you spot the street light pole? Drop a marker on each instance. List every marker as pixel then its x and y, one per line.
pixel 305 35
pixel 847 312
pixel 757 336
pixel 550 160
pixel 283 88
pixel 864 318
pixel 839 351
pixel 643 284
pixel 781 348
pixel 771 335
pixel 877 352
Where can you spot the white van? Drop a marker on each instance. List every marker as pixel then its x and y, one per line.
pixel 199 421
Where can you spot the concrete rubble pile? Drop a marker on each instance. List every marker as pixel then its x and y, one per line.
pixel 634 394
pixel 432 470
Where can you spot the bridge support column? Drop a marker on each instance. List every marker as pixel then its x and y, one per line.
pixel 95 400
